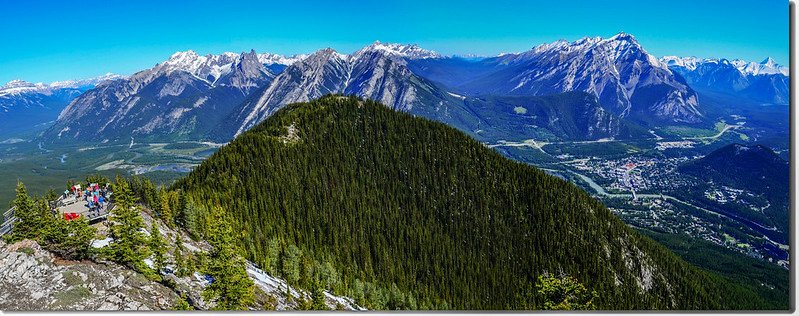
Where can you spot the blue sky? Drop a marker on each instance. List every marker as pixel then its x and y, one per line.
pixel 49 40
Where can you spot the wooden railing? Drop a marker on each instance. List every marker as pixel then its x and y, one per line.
pixel 8 221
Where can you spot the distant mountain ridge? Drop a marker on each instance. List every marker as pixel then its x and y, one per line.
pixel 215 97
pixel 26 107
pixel 627 80
pixel 182 97
pixel 378 71
pixel 766 81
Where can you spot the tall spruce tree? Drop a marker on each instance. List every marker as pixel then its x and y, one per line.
pixel 30 216
pixel 181 266
pixel 231 288
pixel 157 247
pixel 130 243
pixel 164 208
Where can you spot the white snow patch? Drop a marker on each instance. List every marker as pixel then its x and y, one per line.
pixel 102 242
pixel 456 95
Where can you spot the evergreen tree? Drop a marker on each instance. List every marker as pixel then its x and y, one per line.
pixel 69 239
pixel 129 246
pixel 51 195
pixel 271 260
pixel 157 247
pixel 231 288
pixel 564 293
pixel 181 266
pixel 326 275
pixel 191 214
pixel 165 210
pixel 30 216
pixel 291 264
pixel 318 299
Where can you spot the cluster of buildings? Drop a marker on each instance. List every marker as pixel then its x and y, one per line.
pixel 636 173
pixel 723 195
pixel 662 215
pixel 675 144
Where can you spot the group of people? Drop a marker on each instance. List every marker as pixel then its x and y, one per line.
pixel 95 196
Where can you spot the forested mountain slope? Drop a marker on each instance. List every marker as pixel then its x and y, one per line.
pixel 403 203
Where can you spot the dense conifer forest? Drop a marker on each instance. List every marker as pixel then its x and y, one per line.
pixel 401 212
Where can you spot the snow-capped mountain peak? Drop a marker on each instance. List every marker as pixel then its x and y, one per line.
pixel 209 68
pixel 84 83
pixel 17 83
pixel 410 51
pixel 18 86
pixel 15 87
pixel 271 59
pixel 766 67
pixel 622 36
pixel 689 63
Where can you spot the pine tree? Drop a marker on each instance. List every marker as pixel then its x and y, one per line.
pixel 130 243
pixel 564 293
pixel 272 256
pixel 181 266
pixel 318 299
pixel 30 216
pixel 231 289
pixel 165 210
pixel 291 264
pixel 69 239
pixel 51 195
pixel 157 247
pixel 191 219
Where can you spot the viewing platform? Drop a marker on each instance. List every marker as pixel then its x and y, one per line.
pixel 67 206
pixel 73 204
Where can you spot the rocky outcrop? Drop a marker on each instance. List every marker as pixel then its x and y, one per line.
pixel 31 279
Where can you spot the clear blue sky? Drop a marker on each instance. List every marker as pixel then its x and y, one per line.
pixel 47 41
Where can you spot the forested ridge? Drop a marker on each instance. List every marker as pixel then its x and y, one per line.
pixel 398 211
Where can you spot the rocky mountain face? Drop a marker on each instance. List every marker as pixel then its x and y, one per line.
pixel 215 97
pixel 181 98
pixel 31 279
pixel 627 80
pixel 378 71
pixel 765 82
pixel 24 106
pixel 570 115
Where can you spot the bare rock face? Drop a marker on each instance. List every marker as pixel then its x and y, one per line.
pixel 31 279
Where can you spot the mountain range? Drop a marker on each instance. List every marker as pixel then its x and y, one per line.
pixel 215 97
pixel 26 106
pixel 765 82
